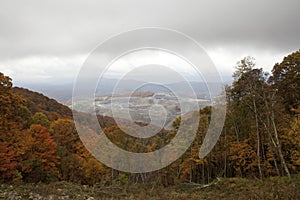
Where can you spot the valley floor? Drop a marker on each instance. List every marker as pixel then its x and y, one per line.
pixel 225 188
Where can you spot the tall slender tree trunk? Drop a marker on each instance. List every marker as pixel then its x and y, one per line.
pixel 272 150
pixel 278 145
pixel 267 127
pixel 258 139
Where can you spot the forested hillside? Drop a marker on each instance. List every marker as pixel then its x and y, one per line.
pixel 260 139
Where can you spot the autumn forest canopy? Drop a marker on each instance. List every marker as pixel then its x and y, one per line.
pixel 260 138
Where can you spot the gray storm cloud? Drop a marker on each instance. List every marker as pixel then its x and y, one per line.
pixel 62 29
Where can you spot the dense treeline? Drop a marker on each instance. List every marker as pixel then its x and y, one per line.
pixel 261 134
pixel 38 140
pixel 260 138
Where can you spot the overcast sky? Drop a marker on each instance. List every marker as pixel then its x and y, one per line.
pixel 47 41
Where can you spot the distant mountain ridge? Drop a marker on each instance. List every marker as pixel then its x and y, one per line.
pixel 63 93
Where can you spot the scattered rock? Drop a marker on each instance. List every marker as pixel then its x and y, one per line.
pixel 13 196
pixel 64 197
pixel 34 196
